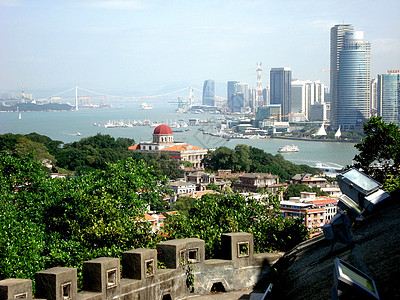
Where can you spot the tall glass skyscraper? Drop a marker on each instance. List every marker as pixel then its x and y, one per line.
pixel 230 92
pixel 209 93
pixel 337 42
pixel 280 89
pixel 353 81
pixel 388 96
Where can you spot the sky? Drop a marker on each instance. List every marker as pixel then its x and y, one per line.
pixel 145 47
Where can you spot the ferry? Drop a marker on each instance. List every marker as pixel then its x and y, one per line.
pixel 146 106
pixel 288 148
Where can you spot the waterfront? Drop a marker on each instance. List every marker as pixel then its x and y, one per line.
pixel 65 126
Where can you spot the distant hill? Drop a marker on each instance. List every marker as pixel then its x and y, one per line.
pixel 35 107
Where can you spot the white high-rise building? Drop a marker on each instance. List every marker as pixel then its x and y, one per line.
pixel 354 81
pixel 305 94
pixel 336 45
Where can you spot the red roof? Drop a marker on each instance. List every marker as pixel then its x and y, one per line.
pixel 181 148
pixel 162 129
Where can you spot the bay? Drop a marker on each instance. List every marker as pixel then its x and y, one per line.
pixel 65 126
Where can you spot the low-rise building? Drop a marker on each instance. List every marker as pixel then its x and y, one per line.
pixel 309 180
pixel 180 188
pixel 315 211
pixel 163 142
pixel 251 182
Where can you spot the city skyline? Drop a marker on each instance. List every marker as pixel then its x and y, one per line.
pixel 149 46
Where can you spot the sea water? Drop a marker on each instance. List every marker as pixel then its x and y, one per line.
pixel 69 126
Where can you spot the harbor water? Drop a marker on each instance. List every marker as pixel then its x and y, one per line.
pixel 69 126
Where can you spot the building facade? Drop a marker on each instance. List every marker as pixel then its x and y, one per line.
pixel 230 93
pixel 336 45
pixel 388 96
pixel 354 78
pixel 163 142
pixel 209 93
pixel 280 89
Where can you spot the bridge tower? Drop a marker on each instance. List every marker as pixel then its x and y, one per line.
pixel 259 88
pixel 76 97
pixel 191 96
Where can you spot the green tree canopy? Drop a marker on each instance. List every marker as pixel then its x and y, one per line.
pixel 379 154
pixel 47 222
pixel 250 159
pixel 214 214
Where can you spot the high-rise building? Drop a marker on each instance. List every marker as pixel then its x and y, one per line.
pixel 337 42
pixel 240 100
pixel 374 95
pixel 280 89
pixel 209 92
pixel 388 96
pixel 266 95
pixel 353 81
pixel 304 95
pixel 230 92
pixel 298 97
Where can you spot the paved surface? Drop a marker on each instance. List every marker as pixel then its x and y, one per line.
pixel 237 295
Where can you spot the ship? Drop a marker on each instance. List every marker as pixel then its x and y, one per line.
pixel 288 148
pixel 146 106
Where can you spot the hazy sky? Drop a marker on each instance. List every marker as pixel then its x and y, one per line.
pixel 147 46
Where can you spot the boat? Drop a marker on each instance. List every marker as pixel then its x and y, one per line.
pixel 288 148
pixel 146 106
pixel 19 116
pixel 78 133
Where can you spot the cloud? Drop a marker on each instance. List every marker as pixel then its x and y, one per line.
pixel 117 5
pixel 10 3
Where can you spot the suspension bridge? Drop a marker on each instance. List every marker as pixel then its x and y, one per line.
pixel 87 98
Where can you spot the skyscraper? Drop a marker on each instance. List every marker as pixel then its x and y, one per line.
pixel 353 81
pixel 280 89
pixel 337 42
pixel 209 93
pixel 230 92
pixel 240 100
pixel 388 96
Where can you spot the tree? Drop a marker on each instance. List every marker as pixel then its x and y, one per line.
pixel 379 154
pixel 46 222
pixel 40 152
pixel 250 159
pixel 212 215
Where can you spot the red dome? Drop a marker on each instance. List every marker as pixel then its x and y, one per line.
pixel 162 129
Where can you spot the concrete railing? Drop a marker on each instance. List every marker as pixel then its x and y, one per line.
pixel 186 272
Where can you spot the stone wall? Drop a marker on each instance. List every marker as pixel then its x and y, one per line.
pixel 136 276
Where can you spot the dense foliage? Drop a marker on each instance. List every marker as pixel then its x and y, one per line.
pixel 86 155
pixel 250 159
pixel 47 222
pixel 214 214
pixel 379 155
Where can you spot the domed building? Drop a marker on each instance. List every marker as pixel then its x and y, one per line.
pixel 163 142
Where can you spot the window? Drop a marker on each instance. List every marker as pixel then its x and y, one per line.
pixel 193 255
pixel 243 249
pixel 149 267
pixel 22 296
pixel 111 278
pixel 66 291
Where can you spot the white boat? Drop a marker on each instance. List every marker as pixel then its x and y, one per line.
pixel 289 148
pixel 146 106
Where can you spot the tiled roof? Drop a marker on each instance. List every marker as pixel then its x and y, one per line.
pixel 182 148
pixel 134 147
